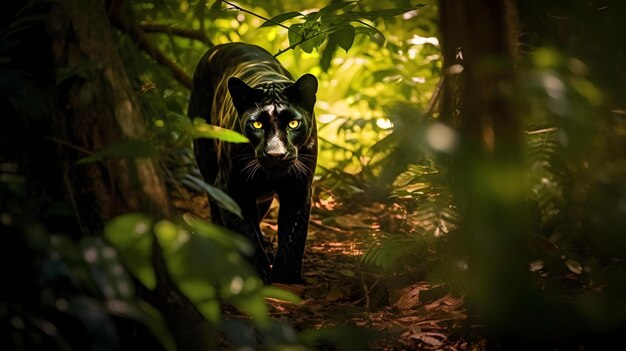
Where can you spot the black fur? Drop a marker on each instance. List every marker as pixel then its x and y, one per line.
pixel 241 87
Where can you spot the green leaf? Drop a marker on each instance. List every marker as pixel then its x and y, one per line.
pixel 102 262
pixel 220 197
pixel 144 313
pixel 204 130
pixel 131 235
pixel 279 294
pixel 372 32
pixel 254 306
pixel 220 235
pixel 345 37
pixel 337 6
pixel 132 148
pixel 280 19
pixel 210 310
pixel 204 296
pixel 171 237
pixel 216 5
pixel 328 53
pixel 307 46
pixel 314 41
pixel 312 17
pixel 295 34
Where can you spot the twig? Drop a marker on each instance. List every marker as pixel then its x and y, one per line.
pixel 334 144
pixel 70 145
pixel 258 16
pixel 321 225
pixel 181 32
pixel 540 131
pixel 367 291
pixel 434 99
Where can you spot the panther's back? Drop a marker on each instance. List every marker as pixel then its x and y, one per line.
pixel 252 64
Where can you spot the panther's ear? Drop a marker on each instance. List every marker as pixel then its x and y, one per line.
pixel 244 97
pixel 302 92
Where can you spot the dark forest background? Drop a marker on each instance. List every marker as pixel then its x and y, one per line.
pixel 481 146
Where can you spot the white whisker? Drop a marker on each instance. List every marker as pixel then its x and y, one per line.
pixel 251 168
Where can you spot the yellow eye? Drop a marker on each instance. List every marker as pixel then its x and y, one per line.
pixel 257 125
pixel 293 124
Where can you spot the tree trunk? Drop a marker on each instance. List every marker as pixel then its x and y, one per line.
pixel 90 106
pixel 488 167
pixel 93 108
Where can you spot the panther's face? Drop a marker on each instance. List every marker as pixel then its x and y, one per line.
pixel 278 119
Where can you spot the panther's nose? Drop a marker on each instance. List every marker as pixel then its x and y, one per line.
pixel 276 154
pixel 275 149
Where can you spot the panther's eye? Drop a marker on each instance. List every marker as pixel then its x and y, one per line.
pixel 293 124
pixel 257 125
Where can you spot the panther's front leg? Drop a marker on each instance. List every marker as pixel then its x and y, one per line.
pixel 248 227
pixel 293 222
pixel 259 260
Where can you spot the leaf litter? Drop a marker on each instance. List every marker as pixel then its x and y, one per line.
pixel 340 292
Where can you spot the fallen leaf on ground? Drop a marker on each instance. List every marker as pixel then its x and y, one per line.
pixel 334 294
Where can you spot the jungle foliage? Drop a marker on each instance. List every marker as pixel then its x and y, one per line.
pixel 501 172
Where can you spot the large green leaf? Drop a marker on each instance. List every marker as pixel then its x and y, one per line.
pixel 142 312
pixel 254 305
pixel 204 296
pixel 220 197
pixel 204 261
pixel 345 37
pixel 295 34
pixel 131 235
pixel 222 236
pixel 204 130
pixel 131 148
pixel 103 264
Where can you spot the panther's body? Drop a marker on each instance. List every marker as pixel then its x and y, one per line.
pixel 244 88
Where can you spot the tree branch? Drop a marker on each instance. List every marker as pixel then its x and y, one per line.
pixel 139 36
pixel 181 32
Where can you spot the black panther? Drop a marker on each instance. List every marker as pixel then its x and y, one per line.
pixel 244 88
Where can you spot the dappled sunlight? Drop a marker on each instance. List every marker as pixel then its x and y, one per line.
pixel 464 188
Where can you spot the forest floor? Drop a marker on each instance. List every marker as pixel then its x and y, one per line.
pixel 340 292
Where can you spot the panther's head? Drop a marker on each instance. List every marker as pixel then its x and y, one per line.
pixel 278 120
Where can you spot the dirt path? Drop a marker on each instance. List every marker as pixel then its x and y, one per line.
pixel 340 292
